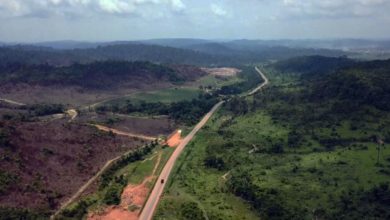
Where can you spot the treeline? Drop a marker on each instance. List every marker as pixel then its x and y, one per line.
pixel 121 52
pixel 313 65
pixel 44 109
pixel 188 112
pixel 352 83
pixel 97 75
pixel 207 54
pixel 366 83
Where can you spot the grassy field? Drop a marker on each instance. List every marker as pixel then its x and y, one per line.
pixel 167 95
pixel 188 91
pixel 215 81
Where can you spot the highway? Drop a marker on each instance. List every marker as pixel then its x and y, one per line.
pixel 266 81
pixel 152 202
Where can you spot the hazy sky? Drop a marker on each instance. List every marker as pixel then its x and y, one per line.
pixel 102 20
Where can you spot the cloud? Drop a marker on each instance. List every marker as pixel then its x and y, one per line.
pixel 333 8
pixel 218 10
pixel 178 5
pixel 36 8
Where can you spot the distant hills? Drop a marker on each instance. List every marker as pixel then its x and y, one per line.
pixel 177 51
pixel 186 51
pixel 334 44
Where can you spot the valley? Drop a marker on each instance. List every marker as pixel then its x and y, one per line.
pixel 109 136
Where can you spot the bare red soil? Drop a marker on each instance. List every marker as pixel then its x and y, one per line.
pixel 174 139
pixel 132 196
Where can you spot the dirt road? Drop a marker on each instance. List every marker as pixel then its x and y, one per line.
pixel 86 185
pixel 72 113
pixel 12 102
pixel 154 198
pixel 140 136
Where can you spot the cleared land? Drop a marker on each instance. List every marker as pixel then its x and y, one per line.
pixel 222 71
pixel 54 160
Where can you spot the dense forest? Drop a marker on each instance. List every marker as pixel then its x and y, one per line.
pixel 97 75
pixel 202 54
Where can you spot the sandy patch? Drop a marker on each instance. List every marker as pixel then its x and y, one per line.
pixel 222 71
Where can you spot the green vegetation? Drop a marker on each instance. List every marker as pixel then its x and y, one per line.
pixel 187 112
pixel 4 138
pixel 218 54
pixel 44 109
pixel 250 79
pixel 21 213
pixel 6 181
pixel 293 151
pixel 167 95
pixel 132 169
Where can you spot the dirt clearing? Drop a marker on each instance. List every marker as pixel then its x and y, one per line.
pixel 174 139
pixel 222 71
pixel 132 199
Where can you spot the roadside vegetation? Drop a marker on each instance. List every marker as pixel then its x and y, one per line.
pixel 310 146
pixel 130 170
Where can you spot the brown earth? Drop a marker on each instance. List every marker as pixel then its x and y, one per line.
pixel 69 95
pixel 52 160
pixel 132 196
pixel 149 126
pixel 222 71
pixel 174 139
pixel 127 134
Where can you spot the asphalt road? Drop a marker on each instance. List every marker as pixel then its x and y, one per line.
pixel 266 81
pixel 151 205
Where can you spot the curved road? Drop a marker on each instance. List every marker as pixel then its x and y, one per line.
pixel 266 81
pixel 151 205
